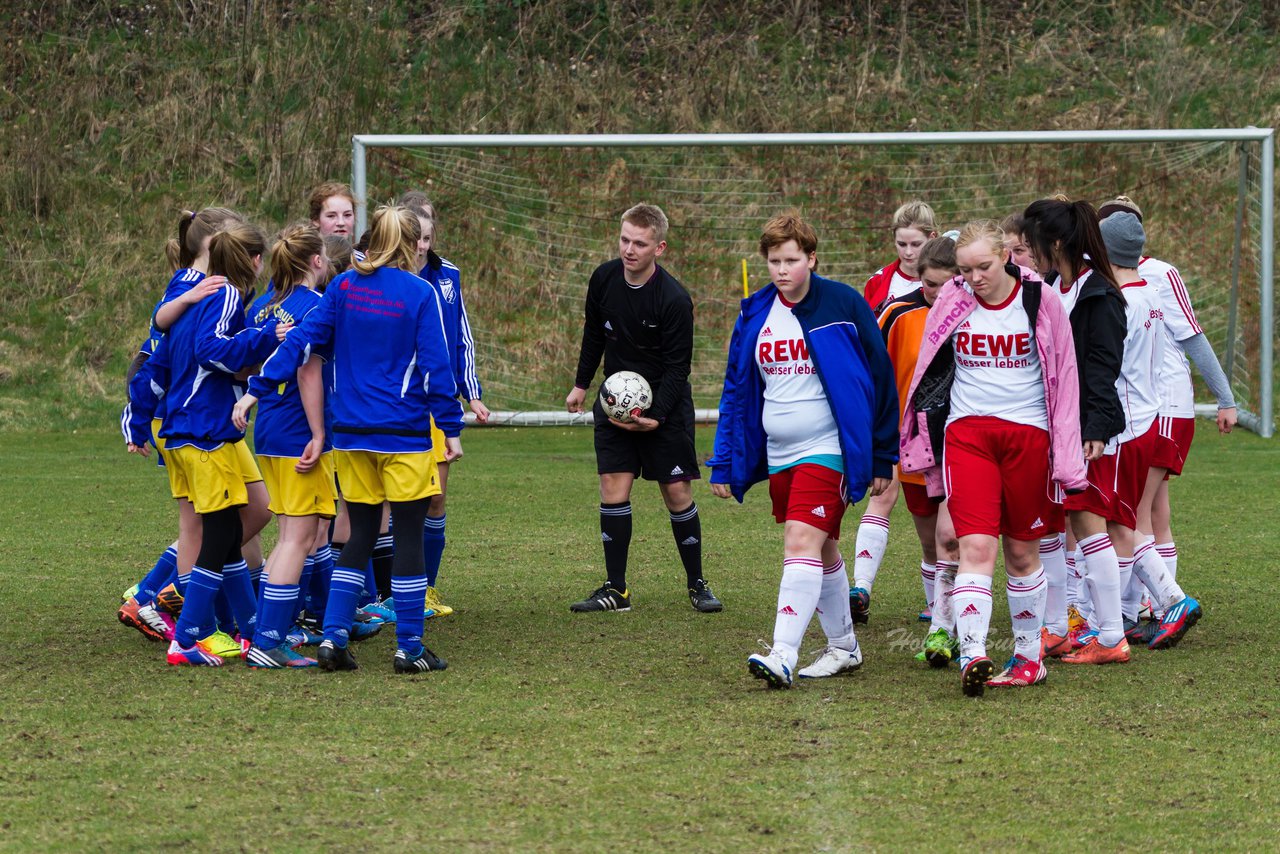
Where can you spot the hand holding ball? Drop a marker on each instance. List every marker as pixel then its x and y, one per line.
pixel 625 395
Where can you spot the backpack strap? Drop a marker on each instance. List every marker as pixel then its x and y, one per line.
pixel 1031 293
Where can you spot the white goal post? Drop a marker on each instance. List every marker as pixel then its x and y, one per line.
pixel 1260 421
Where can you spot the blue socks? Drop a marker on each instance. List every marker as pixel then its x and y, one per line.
pixel 239 590
pixel 157 578
pixel 276 614
pixel 197 609
pixel 410 592
pixel 432 547
pixel 321 578
pixel 344 593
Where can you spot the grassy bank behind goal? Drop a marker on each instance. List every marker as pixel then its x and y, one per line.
pixel 638 731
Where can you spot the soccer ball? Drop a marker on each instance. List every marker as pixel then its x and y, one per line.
pixel 625 395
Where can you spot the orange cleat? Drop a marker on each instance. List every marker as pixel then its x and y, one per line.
pixel 1053 646
pixel 1097 653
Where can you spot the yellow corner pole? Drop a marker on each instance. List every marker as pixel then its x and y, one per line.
pixel 745 286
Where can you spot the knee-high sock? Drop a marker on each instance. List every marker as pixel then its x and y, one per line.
pixel 798 596
pixel 870 545
pixel 1149 566
pixel 1027 597
pixel 197 607
pixel 615 536
pixel 151 583
pixel 971 599
pixel 944 614
pixel 321 577
pixel 410 593
pixel 928 577
pixel 244 603
pixel 686 527
pixel 1053 557
pixel 383 553
pixel 833 607
pixel 344 592
pixel 433 542
pixel 1102 575
pixel 1128 608
pixel 275 614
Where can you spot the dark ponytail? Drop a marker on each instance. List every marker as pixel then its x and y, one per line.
pixel 1073 228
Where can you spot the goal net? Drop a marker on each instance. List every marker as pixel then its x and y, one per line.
pixel 528 218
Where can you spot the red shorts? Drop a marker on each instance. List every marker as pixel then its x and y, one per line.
pixel 1116 480
pixel 996 475
pixel 1175 443
pixel 918 500
pixel 809 493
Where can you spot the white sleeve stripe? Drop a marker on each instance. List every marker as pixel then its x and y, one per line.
pixel 1184 299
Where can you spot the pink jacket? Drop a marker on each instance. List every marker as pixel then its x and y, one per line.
pixel 1057 368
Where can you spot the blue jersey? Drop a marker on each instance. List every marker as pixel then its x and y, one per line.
pixel 385 334
pixel 182 281
pixel 194 369
pixel 447 280
pixel 281 429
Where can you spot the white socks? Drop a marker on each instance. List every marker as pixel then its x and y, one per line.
pixel 833 608
pixel 944 615
pixel 798 595
pixel 971 599
pixel 1053 559
pixel 870 545
pixel 928 575
pixel 1027 596
pixel 1150 567
pixel 1102 576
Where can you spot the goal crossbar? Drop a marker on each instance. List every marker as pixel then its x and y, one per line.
pixel 1265 137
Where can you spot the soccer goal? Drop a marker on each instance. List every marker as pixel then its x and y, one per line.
pixel 528 217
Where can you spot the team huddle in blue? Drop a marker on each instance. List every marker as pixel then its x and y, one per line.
pixel 1024 386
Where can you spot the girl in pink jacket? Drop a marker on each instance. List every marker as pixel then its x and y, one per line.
pixel 996 382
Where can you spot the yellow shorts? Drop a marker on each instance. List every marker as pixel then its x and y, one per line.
pixel 437 442
pixel 156 423
pixel 211 480
pixel 369 477
pixel 294 494
pixel 248 465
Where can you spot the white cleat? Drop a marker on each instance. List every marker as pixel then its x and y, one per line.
pixel 832 661
pixel 771 667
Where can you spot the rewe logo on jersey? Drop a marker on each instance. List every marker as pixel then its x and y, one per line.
pixel 970 611
pixel 783 350
pixel 787 610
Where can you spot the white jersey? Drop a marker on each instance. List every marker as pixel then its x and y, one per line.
pixel 1144 344
pixel 998 366
pixel 797 416
pixel 1177 396
pixel 900 285
pixel 1070 293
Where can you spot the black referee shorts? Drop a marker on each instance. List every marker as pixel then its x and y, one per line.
pixel 666 455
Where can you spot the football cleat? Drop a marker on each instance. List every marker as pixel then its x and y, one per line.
pixel 434 606
pixel 1074 620
pixel 222 645
pixel 1020 673
pixel 1177 619
pixel 364 626
pixel 1140 631
pixel 276 658
pixel 975 675
pixel 331 657
pixel 146 619
pixel 940 648
pixel 860 604
pixel 381 611
pixel 604 598
pixel 420 663
pixel 130 593
pixel 1099 653
pixel 925 616
pixel 832 661
pixel 169 600
pixel 1053 646
pixel 703 600
pixel 1080 636
pixel 196 656
pixel 1146 610
pixel 302 637
pixel 771 668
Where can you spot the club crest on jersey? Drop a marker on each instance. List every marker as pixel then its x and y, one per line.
pixel 448 291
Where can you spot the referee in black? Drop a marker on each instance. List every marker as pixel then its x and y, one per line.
pixel 639 318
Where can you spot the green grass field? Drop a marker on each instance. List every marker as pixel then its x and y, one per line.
pixel 637 731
